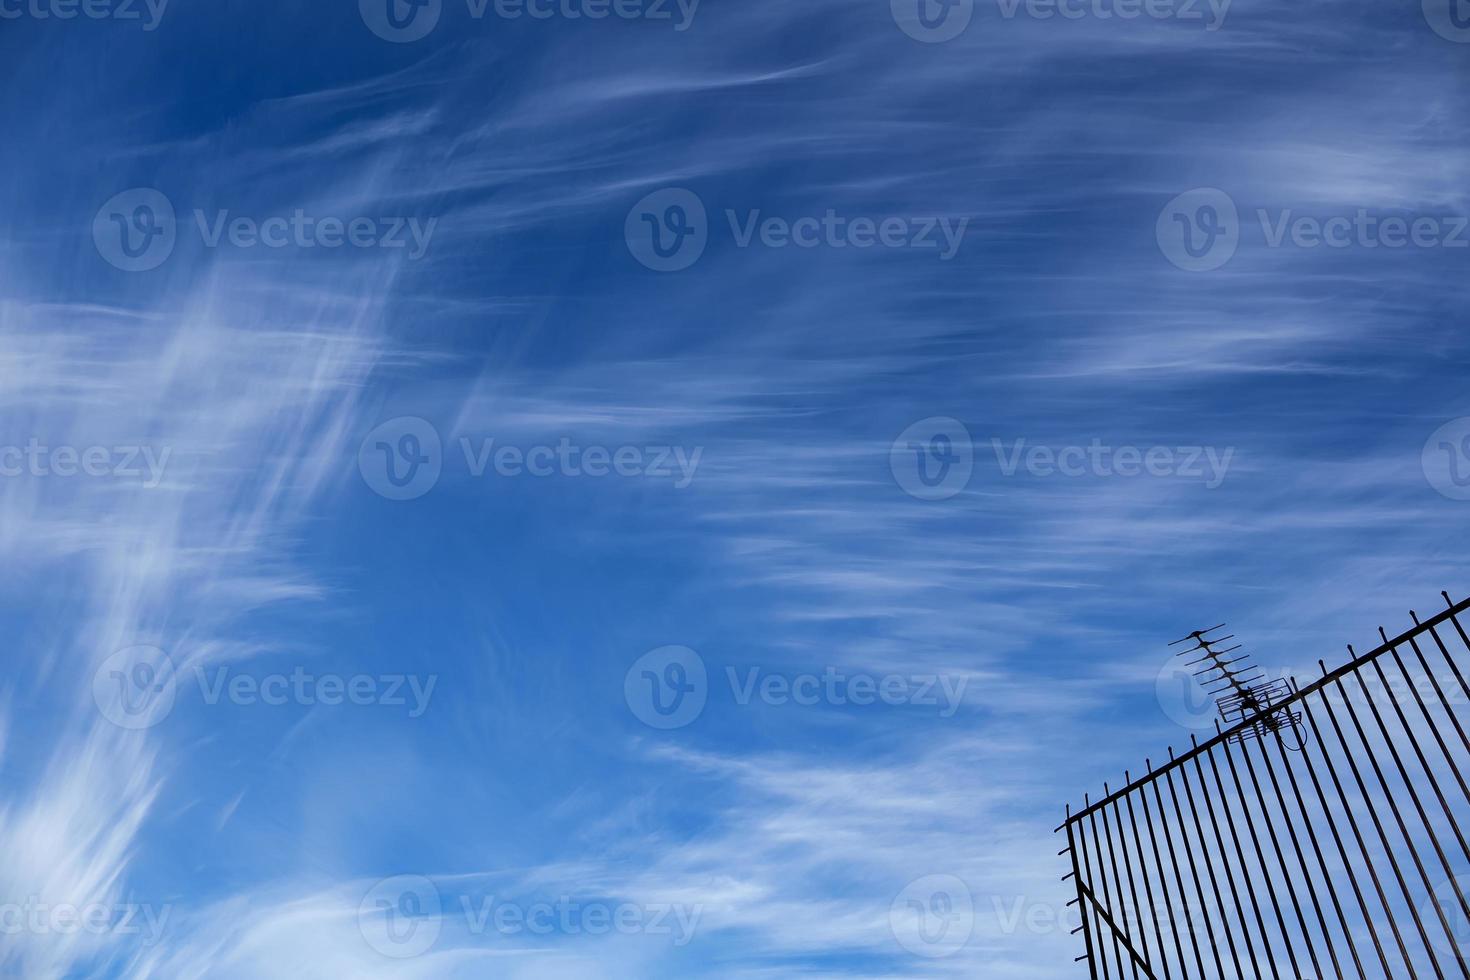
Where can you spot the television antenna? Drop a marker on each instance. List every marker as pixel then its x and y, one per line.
pixel 1241 689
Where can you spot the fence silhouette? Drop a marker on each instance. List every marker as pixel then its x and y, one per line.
pixel 1319 836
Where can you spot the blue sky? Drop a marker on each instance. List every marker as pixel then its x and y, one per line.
pixel 675 510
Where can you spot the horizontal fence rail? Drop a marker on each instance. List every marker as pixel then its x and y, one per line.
pixel 1321 837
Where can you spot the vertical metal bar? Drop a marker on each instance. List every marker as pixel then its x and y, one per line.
pixel 1261 858
pixel 1429 720
pixel 1280 857
pixel 1210 868
pixel 1132 882
pixel 1102 873
pixel 1204 792
pixel 1120 910
pixel 1424 763
pixel 1163 884
pixel 1244 870
pixel 1081 901
pixel 1178 876
pixel 1444 650
pixel 1382 835
pixel 1296 845
pixel 1148 890
pixel 1102 958
pixel 1301 806
pixel 1362 845
pixel 1463 639
pixel 1121 938
pixel 1394 807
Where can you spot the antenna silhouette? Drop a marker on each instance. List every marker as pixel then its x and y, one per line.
pixel 1241 689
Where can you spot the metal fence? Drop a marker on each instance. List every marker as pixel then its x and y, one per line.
pixel 1319 837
